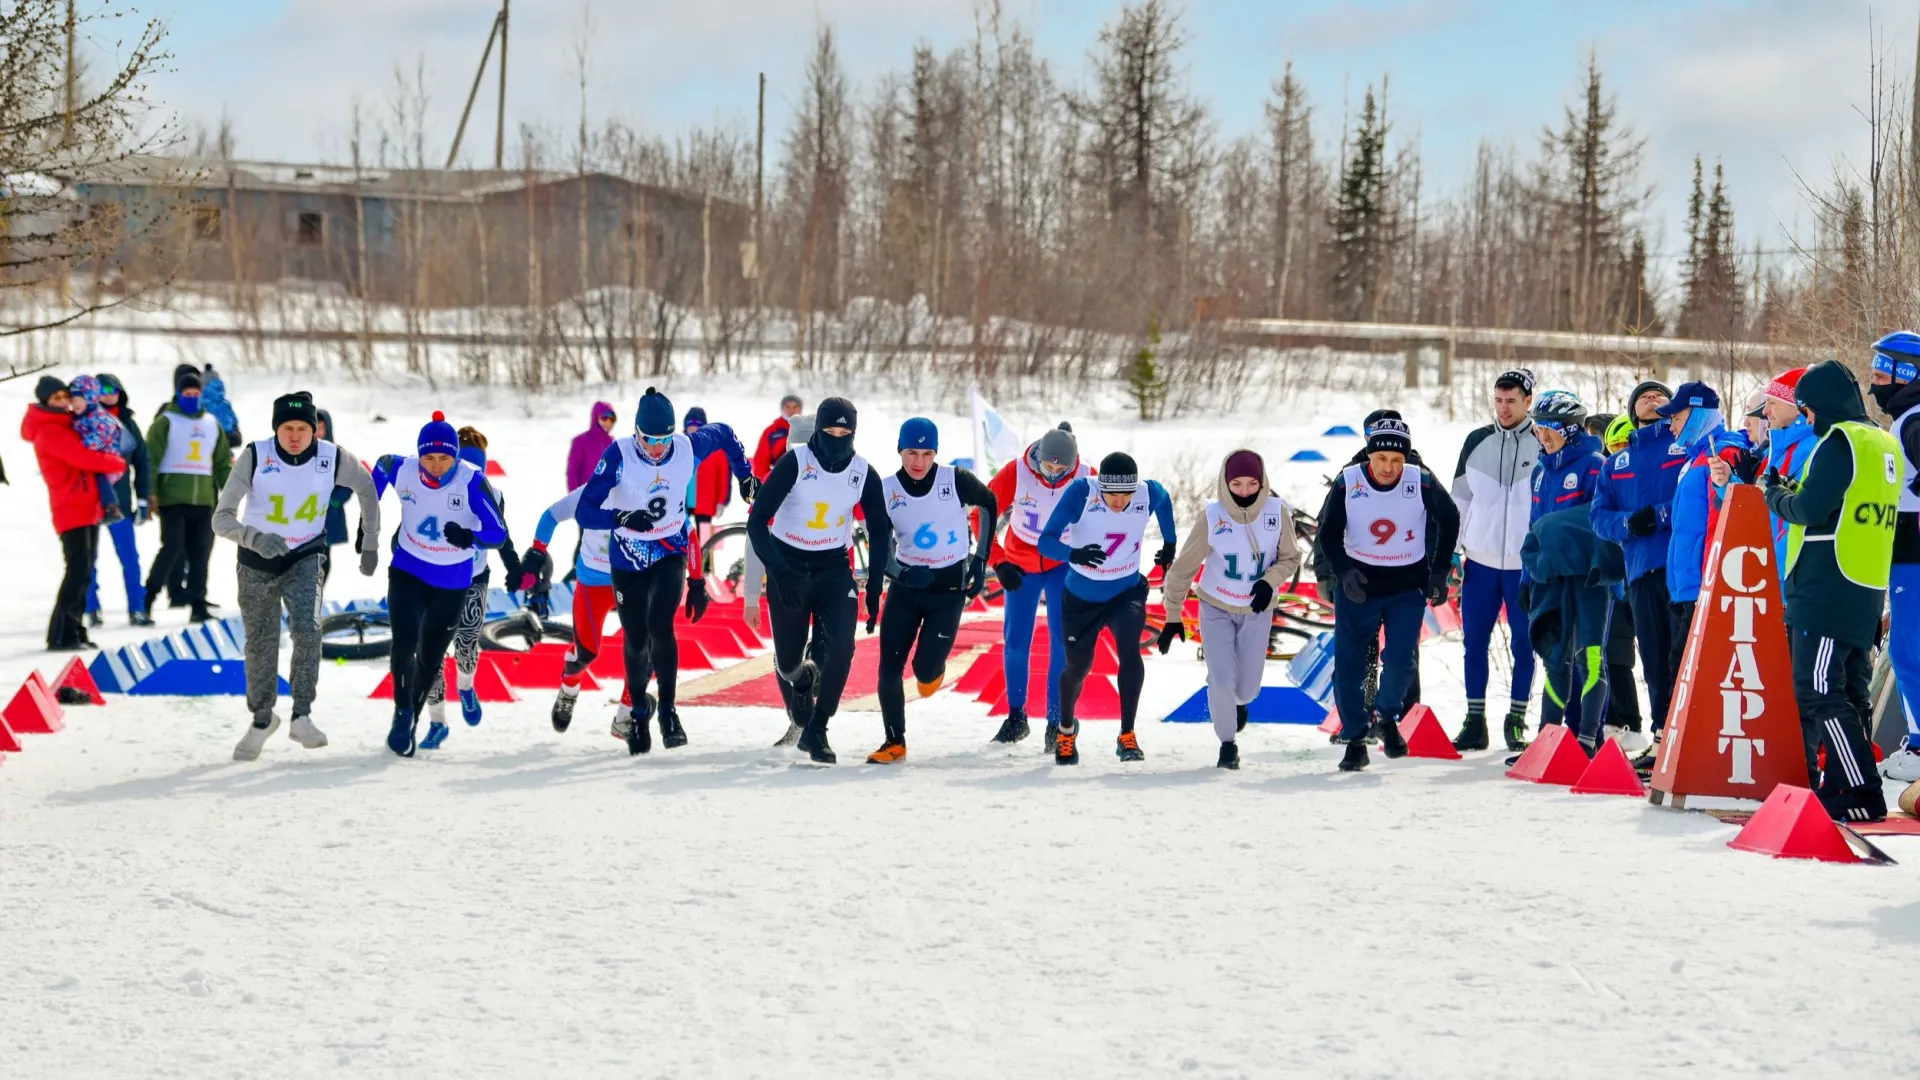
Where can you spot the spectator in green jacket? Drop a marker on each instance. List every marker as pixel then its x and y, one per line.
pixel 191 463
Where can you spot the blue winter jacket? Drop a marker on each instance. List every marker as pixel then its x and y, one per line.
pixel 1694 501
pixel 1787 452
pixel 1642 474
pixel 1566 478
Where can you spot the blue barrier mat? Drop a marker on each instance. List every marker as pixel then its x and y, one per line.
pixel 1307 455
pixel 1275 705
pixel 1340 429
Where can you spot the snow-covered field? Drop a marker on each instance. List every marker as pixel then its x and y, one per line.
pixel 522 903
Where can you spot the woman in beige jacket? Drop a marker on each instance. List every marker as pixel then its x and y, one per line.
pixel 1240 550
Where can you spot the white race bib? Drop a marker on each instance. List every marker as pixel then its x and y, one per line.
pixel 1385 528
pixel 929 530
pixel 290 501
pixel 658 488
pixel 1033 501
pixel 189 448
pixel 426 511
pixel 817 515
pixel 1238 554
pixel 1118 532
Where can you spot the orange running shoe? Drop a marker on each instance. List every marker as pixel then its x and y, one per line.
pixel 1129 748
pixel 1065 750
pixel 927 688
pixel 888 754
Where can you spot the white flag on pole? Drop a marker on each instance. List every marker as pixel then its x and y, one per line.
pixel 994 440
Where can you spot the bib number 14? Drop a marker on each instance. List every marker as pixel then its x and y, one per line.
pixel 309 510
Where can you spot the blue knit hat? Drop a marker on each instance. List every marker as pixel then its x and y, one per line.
pixel 695 415
pixel 919 433
pixel 655 414
pixel 438 437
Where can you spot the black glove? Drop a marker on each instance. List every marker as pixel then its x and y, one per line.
pixel 1353 585
pixel 1641 522
pixel 696 598
pixel 1164 557
pixel 1262 596
pixel 534 567
pixel 976 580
pixel 1437 593
pixel 635 520
pixel 457 534
pixel 1174 629
pixel 1010 575
pixel 873 605
pixel 749 487
pixel 915 577
pixel 1087 555
pixel 510 562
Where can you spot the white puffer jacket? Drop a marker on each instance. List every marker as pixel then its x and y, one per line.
pixel 1493 487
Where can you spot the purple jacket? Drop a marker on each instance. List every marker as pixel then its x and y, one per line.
pixel 587 446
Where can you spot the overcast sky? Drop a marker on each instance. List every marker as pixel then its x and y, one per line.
pixel 1769 86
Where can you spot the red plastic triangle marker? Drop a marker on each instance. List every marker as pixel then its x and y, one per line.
pixel 980 672
pixel 384 691
pixel 8 744
pixel 32 710
pixel 1610 773
pixel 1792 824
pixel 1554 758
pixel 76 676
pixel 488 683
pixel 995 688
pixel 1425 737
pixel 1331 725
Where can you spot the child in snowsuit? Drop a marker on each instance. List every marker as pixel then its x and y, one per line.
pixel 100 431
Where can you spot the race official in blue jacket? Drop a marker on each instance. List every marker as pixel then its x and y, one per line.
pixel 1632 505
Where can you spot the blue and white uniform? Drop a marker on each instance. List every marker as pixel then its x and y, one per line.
pixel 626 479
pixel 427 506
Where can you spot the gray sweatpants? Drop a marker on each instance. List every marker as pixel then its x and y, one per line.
pixel 1236 648
pixel 262 598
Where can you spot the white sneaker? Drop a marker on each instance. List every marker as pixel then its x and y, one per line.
pixel 622 722
pixel 1903 765
pixel 304 733
pixel 1632 743
pixel 255 740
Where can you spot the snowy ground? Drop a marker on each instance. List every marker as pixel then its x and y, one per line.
pixel 522 902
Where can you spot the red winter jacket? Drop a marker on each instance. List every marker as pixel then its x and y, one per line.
pixel 771 447
pixel 712 485
pixel 67 466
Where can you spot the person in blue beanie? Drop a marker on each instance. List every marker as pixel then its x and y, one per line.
pixel 1695 419
pixel 445 514
pixel 939 566
pixel 473 613
pixel 639 491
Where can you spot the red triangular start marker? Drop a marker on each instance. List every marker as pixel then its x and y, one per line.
pixel 1554 758
pixel 1425 737
pixel 1610 773
pixel 1791 824
pixel 76 676
pixel 32 710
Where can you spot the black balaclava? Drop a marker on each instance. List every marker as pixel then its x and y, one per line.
pixel 834 451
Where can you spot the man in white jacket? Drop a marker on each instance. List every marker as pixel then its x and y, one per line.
pixel 1493 487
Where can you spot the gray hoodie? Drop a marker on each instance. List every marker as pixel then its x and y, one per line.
pixel 1195 545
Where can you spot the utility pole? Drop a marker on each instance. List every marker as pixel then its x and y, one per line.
pixel 500 121
pixel 759 197
pixel 479 73
pixel 68 129
pixel 1913 148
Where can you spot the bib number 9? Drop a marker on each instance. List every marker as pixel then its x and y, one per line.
pixel 1382 531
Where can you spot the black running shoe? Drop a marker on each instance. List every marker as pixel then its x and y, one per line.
pixel 1053 736
pixel 814 741
pixel 672 735
pixel 1516 733
pixel 1013 728
pixel 1356 757
pixel 1473 734
pixel 1229 756
pixel 1388 732
pixel 640 731
pixel 563 711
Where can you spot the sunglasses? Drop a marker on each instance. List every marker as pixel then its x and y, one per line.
pixel 657 440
